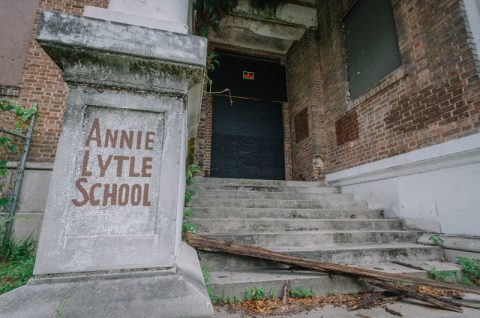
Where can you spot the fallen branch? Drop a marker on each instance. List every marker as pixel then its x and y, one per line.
pixel 408 265
pixel 374 300
pixel 410 293
pixel 211 245
pixel 286 289
pixel 393 312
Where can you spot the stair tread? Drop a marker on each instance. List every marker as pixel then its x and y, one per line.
pixel 304 219
pixel 294 219
pixel 346 247
pixel 258 276
pixel 337 196
pixel 311 232
pixel 291 209
pixel 238 181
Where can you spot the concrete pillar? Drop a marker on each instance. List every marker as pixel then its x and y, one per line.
pixel 110 242
pixel 169 15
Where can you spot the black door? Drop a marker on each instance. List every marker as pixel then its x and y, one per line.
pixel 247 136
pixel 247 139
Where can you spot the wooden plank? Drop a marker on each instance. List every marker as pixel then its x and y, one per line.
pixel 211 245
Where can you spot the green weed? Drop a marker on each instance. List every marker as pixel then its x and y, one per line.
pixel 16 261
pixel 255 293
pixel 211 294
pixel 301 292
pixel 470 269
pixel 441 276
pixel 436 240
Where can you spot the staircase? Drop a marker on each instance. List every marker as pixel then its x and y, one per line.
pixel 302 219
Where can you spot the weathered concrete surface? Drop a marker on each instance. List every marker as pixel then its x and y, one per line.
pixel 110 244
pixel 234 283
pixel 91 238
pixel 455 245
pixel 413 186
pixel 350 255
pixel 301 219
pixel 157 14
pixel 269 30
pixel 120 55
pixel 179 292
pixel 131 80
pixel 408 308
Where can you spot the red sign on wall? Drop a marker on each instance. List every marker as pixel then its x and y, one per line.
pixel 248 75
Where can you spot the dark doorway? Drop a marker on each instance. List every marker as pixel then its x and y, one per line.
pixel 247 136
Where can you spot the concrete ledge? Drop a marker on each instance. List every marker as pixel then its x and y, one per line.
pixel 32 165
pixel 27 224
pixel 180 293
pixel 111 54
pixel 127 18
pixel 454 242
pixel 452 153
pixel 122 38
pixel 433 189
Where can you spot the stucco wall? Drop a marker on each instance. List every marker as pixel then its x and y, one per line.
pixel 435 189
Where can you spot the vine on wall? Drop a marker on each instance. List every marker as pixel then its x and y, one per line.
pixel 208 13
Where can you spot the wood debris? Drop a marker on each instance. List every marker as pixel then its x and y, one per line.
pixel 393 312
pixel 399 285
pixel 294 305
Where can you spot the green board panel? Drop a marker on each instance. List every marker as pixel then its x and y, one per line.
pixel 371 43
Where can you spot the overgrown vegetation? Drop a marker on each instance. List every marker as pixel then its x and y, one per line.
pixel 206 278
pixel 255 293
pixel 470 269
pixel 17 258
pixel 7 145
pixel 441 276
pixel 16 261
pixel 209 13
pixel 188 226
pixel 436 240
pixel 301 292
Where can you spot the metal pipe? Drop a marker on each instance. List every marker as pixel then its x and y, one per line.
pixel 18 179
pixel 12 133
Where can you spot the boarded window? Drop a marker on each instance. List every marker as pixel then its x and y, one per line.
pixel 371 44
pixel 16 25
pixel 346 128
pixel 301 125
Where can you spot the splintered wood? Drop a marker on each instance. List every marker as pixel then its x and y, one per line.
pixel 399 285
pixel 292 305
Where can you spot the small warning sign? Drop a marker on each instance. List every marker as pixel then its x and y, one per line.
pixel 248 75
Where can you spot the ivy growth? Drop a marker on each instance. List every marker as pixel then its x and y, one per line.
pixel 208 14
pixel 7 145
pixel 188 226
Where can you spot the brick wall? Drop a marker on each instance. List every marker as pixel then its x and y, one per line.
pixel 305 96
pixel 432 98
pixel 42 83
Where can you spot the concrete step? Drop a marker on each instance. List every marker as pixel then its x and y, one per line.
pixel 253 213
pixel 322 203
pixel 268 195
pixel 234 283
pixel 314 238
pixel 338 254
pixel 240 225
pixel 266 188
pixel 254 182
